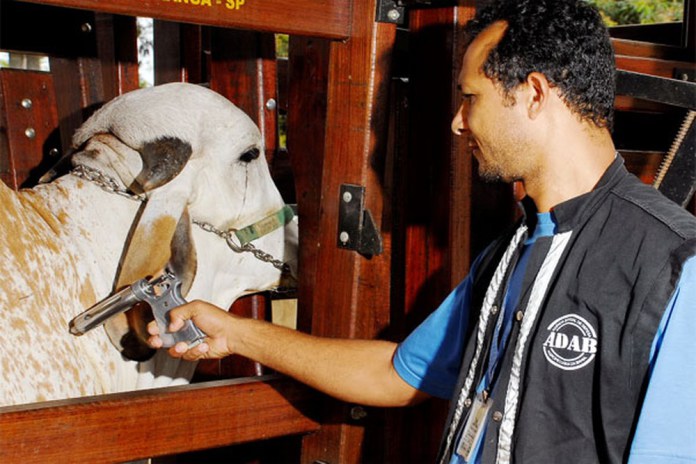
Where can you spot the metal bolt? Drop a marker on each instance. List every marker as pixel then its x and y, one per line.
pixel 347 197
pixel 30 132
pixel 53 152
pixel 393 15
pixel 344 237
pixel 86 27
pixel 685 77
pixel 271 104
pixel 26 103
pixel 358 413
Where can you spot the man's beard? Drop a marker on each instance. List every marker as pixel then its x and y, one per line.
pixel 490 173
pixel 490 177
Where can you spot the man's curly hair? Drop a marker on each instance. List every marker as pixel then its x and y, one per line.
pixel 565 40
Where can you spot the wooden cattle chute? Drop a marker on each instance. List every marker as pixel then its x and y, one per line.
pixel 362 109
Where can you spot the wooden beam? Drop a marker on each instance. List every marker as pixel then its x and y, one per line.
pixel 321 18
pixel 158 422
pixel 650 50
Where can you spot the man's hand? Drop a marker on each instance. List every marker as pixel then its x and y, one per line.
pixel 215 322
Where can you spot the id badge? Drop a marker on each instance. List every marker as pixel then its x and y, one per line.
pixel 474 426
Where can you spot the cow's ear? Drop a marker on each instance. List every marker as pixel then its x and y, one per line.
pixel 183 261
pixel 150 241
pixel 161 232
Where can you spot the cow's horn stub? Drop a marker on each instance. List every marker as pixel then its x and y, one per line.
pixel 163 159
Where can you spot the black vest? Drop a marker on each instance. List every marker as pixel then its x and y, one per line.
pixel 575 368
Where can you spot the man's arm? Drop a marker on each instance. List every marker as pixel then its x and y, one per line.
pixel 666 430
pixel 358 371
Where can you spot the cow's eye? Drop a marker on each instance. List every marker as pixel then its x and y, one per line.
pixel 250 154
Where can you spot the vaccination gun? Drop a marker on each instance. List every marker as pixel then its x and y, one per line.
pixel 162 293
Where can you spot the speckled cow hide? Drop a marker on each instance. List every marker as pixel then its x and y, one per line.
pixel 69 243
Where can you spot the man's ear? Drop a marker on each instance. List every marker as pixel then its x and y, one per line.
pixel 539 94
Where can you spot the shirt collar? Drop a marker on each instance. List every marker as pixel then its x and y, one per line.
pixel 577 210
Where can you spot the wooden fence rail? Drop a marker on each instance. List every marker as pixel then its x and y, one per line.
pixel 137 425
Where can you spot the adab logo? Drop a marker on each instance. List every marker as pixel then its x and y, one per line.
pixel 571 342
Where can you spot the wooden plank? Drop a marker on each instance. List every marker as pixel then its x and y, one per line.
pixel 137 425
pixel 30 120
pixel 651 50
pixel 340 143
pixel 656 67
pixel 179 52
pixel 322 18
pixel 308 74
pixel 125 54
pixel 434 199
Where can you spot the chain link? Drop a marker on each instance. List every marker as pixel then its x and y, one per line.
pixel 105 182
pixel 110 185
pixel 228 236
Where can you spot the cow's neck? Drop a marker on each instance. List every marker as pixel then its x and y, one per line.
pixel 94 221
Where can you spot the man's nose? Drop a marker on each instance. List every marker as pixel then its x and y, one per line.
pixel 459 121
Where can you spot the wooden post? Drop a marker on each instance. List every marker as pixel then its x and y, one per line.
pixel 433 201
pixel 342 294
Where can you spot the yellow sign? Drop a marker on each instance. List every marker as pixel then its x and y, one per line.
pixel 229 4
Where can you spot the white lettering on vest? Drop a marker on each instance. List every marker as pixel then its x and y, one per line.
pixel 571 342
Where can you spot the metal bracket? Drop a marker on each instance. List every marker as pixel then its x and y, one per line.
pixel 356 229
pixel 685 74
pixel 394 11
pixel 389 11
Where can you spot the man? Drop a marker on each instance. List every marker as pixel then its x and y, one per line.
pixel 571 339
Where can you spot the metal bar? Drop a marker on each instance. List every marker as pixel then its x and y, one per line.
pixel 658 89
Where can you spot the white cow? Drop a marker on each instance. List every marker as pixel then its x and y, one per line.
pixel 194 159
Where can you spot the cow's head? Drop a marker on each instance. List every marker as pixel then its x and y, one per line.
pixel 195 157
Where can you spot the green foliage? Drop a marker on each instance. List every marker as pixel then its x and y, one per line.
pixel 619 12
pixel 281 45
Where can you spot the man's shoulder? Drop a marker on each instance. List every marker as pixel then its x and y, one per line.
pixel 653 205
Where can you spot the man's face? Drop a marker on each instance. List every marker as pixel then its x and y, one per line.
pixel 495 125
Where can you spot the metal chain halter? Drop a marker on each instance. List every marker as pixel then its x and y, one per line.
pixel 110 185
pixel 228 235
pixel 105 182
